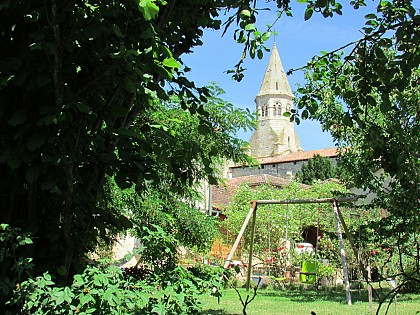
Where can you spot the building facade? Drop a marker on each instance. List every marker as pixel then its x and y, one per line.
pixel 275 134
pixel 274 143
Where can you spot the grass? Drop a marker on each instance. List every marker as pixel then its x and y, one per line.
pixel 291 302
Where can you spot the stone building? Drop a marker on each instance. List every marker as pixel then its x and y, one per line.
pixel 274 143
pixel 275 134
pixel 285 166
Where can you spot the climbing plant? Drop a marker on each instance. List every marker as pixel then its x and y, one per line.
pixel 282 222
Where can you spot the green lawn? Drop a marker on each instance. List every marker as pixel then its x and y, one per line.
pixel 287 302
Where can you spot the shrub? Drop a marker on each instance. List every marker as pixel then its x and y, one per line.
pixel 104 288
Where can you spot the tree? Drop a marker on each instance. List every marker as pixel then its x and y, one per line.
pixel 77 79
pixel 91 118
pixel 168 203
pixel 317 168
pixel 369 100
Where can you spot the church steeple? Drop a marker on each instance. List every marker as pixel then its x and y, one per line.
pixel 275 134
pixel 275 80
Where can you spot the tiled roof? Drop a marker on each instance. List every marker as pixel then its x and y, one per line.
pixel 260 179
pixel 222 193
pixel 297 156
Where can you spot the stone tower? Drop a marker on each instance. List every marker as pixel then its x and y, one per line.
pixel 275 134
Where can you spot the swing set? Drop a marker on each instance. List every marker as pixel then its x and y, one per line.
pixel 308 272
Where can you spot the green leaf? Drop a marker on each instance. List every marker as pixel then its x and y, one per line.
pixel 347 120
pixel 24 240
pixel 78 281
pixel 32 173
pixel 17 118
pixel 98 280
pixel 91 310
pixel 68 294
pixel 60 297
pixel 171 63
pixel 308 13
pixel 385 105
pixel 371 100
pixel 250 27
pixel 85 299
pixel 203 129
pixel 117 31
pixel 125 222
pixel 321 3
pixel 62 270
pixel 35 142
pixel 266 36
pixel 149 9
pixel 370 16
pixel 245 14
pixel 83 107
pixel 130 85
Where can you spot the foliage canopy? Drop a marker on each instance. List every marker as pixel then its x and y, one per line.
pixel 317 168
pixel 79 79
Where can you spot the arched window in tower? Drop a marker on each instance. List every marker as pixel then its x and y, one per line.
pixel 264 110
pixel 277 108
pixel 288 141
pixel 277 85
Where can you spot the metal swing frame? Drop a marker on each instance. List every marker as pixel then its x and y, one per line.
pixel 339 221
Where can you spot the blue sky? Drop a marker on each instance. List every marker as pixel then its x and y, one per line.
pixel 297 41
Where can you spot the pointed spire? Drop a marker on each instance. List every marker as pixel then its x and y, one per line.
pixel 275 80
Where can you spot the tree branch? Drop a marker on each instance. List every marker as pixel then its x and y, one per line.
pixel 355 42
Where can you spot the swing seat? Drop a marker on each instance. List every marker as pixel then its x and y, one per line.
pixel 308 272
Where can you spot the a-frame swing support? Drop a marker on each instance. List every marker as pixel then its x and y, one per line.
pixel 338 220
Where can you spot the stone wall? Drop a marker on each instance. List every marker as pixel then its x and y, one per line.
pixel 286 170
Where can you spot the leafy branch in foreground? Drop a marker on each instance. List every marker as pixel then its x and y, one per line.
pixel 369 101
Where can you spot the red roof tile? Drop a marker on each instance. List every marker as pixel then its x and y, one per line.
pixel 297 156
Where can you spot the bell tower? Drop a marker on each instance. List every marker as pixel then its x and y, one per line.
pixel 275 134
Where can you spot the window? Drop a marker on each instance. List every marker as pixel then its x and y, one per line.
pixel 277 109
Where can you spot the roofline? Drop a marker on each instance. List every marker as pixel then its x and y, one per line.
pixel 316 152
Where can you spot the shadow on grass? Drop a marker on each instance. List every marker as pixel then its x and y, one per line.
pixel 307 295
